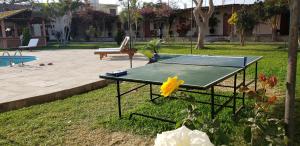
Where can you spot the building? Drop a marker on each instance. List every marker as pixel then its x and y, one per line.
pixel 14 21
pixel 106 8
pixel 102 18
pixel 94 25
pixel 183 26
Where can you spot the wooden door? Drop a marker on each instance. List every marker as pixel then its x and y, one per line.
pixel 147 29
pixel 226 25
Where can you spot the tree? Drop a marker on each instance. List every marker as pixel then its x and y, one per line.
pixel 244 21
pixel 182 29
pixel 19 1
pixel 135 15
pixel 60 14
pixel 212 23
pixel 161 12
pixel 269 11
pixel 90 32
pixel 165 13
pixel 202 20
pixel 147 11
pixel 26 36
pixel 291 70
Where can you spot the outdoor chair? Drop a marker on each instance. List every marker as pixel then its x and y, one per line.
pixel 32 44
pixel 123 49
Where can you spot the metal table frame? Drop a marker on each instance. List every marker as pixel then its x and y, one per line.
pixel 193 89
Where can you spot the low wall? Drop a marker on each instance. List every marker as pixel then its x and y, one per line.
pixel 16 42
pixel 52 96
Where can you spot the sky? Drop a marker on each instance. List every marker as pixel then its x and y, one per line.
pixel 182 3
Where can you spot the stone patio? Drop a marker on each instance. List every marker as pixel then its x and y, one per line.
pixel 72 72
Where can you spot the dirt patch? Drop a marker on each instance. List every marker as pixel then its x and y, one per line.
pixel 82 135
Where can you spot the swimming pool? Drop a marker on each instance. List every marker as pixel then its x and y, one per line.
pixel 5 60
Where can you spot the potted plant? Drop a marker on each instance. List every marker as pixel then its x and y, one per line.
pixel 151 50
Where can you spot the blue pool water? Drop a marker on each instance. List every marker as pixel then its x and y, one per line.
pixel 4 60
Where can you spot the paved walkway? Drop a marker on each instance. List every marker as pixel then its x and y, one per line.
pixel 70 69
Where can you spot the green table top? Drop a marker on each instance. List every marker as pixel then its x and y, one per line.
pixel 195 76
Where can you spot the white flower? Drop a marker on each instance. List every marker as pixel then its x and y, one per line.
pixel 182 137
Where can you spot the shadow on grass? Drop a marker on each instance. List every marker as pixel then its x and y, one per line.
pixel 278 112
pixel 8 141
pixel 171 109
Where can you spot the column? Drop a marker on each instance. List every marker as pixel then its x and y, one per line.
pixel 44 34
pixel 15 31
pixel 3 34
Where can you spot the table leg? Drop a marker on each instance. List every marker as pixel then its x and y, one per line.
pixel 244 84
pixel 234 95
pixel 151 92
pixel 255 78
pixel 212 100
pixel 119 99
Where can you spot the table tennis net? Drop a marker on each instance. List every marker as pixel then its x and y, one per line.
pixel 222 61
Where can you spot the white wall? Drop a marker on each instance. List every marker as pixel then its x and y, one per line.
pixel 37 30
pixel 104 8
pixel 219 27
pixel 262 28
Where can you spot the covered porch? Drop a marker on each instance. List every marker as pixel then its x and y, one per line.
pixel 13 22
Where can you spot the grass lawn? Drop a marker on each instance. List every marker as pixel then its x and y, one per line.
pixel 72 120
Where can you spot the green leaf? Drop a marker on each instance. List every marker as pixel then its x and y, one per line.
pixel 221 138
pixel 261 92
pixel 178 124
pixel 190 108
pixel 148 54
pixel 247 134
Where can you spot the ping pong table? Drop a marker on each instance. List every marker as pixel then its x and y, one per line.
pixel 200 72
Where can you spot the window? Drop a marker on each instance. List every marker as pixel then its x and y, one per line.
pixel 113 11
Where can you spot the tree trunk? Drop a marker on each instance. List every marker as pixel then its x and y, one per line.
pixel 168 33
pixel 242 38
pixel 232 33
pixel 255 35
pixel 201 19
pixel 274 29
pixel 136 31
pixel 201 35
pixel 68 25
pixel 274 34
pixel 291 71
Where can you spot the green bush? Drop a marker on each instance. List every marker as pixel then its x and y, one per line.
pixel 262 128
pixel 212 23
pixel 26 36
pixel 153 45
pixel 120 37
pixel 90 32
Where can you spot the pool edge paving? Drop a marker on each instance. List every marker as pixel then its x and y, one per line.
pixel 73 72
pixel 63 94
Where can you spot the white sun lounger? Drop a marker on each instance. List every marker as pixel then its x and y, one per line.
pixel 123 49
pixel 32 44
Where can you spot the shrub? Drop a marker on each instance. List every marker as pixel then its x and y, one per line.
pixel 120 37
pixel 182 29
pixel 90 32
pixel 262 129
pixel 212 127
pixel 153 45
pixel 26 36
pixel 213 22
